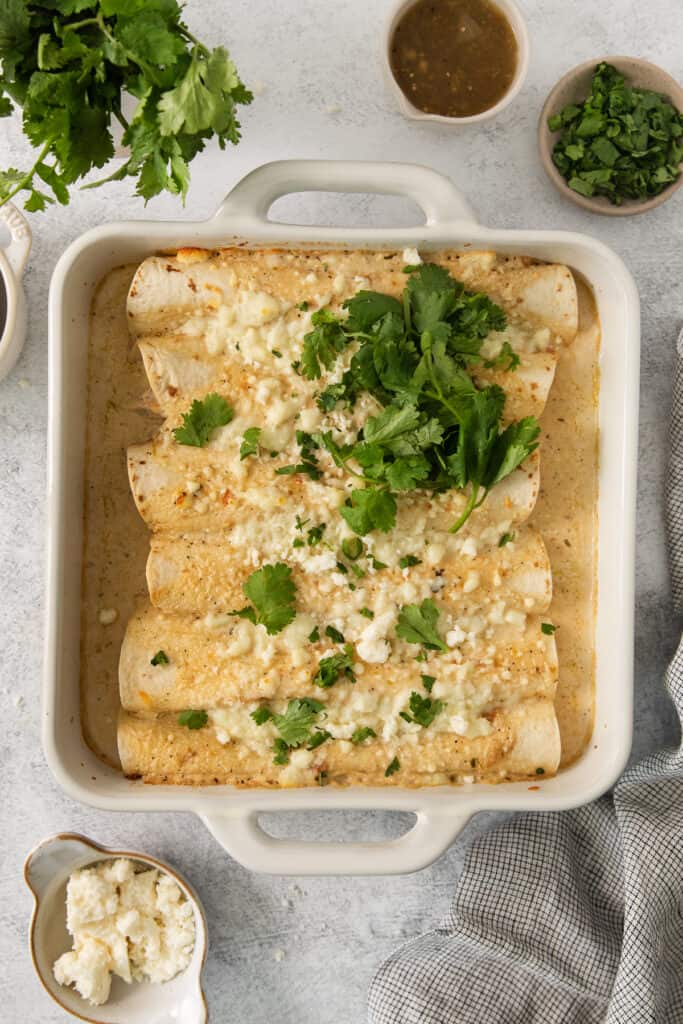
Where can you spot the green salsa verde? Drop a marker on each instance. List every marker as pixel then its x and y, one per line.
pixel 454 57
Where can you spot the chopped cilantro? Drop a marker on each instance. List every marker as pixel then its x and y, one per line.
pixel 318 738
pixel 309 462
pixel 507 359
pixel 367 613
pixel 417 625
pixel 393 767
pixel 303 306
pixel 352 548
pixel 277 353
pixel 261 715
pixel 408 560
pixel 506 538
pixel 621 142
pixel 548 628
pixel 298 543
pixel 428 682
pixel 160 658
pixel 315 534
pixel 363 733
pixel 333 667
pixel 250 442
pixel 281 752
pixel 334 635
pixel 314 635
pixel 193 719
pixel 377 565
pixel 271 592
pixel 203 418
pixel 423 710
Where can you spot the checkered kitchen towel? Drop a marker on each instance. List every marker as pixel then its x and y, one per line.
pixel 572 918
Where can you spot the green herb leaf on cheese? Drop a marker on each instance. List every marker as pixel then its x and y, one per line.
pixel 204 417
pixel 423 710
pixel 363 733
pixel 160 658
pixel 334 667
pixel 193 719
pixel 417 624
pixel 250 442
pixel 271 591
pixel 393 767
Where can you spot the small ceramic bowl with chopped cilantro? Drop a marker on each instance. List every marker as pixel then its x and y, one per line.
pixel 611 136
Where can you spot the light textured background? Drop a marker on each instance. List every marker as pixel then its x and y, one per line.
pixel 315 65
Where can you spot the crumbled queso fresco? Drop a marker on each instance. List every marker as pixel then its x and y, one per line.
pixel 139 926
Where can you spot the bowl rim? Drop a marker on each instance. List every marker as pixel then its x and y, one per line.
pixel 98 848
pixel 519 27
pixel 546 138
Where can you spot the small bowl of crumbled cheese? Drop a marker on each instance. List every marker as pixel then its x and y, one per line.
pixel 115 936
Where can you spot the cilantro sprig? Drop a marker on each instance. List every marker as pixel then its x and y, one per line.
pixel 417 623
pixel 423 710
pixel 204 417
pixel 68 64
pixel 271 591
pixel 295 726
pixel 621 142
pixel 437 430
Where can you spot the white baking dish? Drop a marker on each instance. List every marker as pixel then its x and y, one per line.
pixel 232 815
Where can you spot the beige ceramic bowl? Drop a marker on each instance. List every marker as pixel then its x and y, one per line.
pixel 513 14
pixel 573 88
pixel 47 869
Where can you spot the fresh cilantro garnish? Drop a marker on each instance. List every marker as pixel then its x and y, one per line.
pixel 437 430
pixel 277 353
pixel 309 462
pixel 377 565
pixel 261 715
pixel 334 635
pixel 393 767
pixel 318 738
pixel 296 723
pixel 507 359
pixel 271 592
pixel 298 543
pixel 250 442
pixel 203 418
pixel 314 635
pixel 428 682
pixel 193 719
pixel 423 710
pixel 334 666
pixel 281 752
pixel 548 628
pixel 315 534
pixel 621 142
pixel 370 509
pixel 343 569
pixel 408 560
pixel 417 625
pixel 363 733
pixel 303 306
pixel 323 344
pixel 70 63
pixel 160 658
pixel 352 548
pixel 506 538
pixel 367 613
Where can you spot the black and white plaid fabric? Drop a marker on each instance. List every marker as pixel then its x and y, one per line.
pixel 573 918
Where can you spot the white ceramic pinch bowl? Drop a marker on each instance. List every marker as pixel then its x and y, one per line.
pixel 12 299
pixel 47 869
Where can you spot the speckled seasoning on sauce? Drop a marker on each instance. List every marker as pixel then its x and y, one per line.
pixel 454 57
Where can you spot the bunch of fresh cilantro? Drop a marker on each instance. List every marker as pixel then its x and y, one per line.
pixel 621 142
pixel 437 429
pixel 68 65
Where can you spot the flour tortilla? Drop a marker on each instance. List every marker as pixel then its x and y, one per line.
pixel 179 370
pixel 167 291
pixel 202 573
pixel 159 478
pixel 204 671
pixel 525 742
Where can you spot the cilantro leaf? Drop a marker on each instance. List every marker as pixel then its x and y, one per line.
pixel 250 442
pixel 193 719
pixel 366 308
pixel 334 666
pixel 417 625
pixel 295 724
pixel 548 628
pixel 428 682
pixel 160 658
pixel 271 591
pixel 309 462
pixel 393 767
pixel 334 635
pixel 507 359
pixel 203 418
pixel 409 560
pixel 261 715
pixel 363 733
pixel 423 710
pixel 368 510
pixel 323 344
pixel 318 738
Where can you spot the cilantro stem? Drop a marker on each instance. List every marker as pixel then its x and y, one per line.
pixel 468 509
pixel 27 180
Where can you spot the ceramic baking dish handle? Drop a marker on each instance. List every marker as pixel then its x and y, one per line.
pixel 244 839
pixel 250 200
